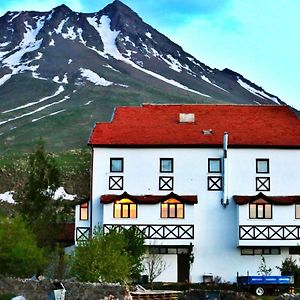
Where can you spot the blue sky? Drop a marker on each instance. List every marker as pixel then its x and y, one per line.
pixel 259 39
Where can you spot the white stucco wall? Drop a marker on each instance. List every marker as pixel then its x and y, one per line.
pixel 216 228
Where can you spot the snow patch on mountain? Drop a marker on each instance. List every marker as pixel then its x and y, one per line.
pixel 71 35
pixel 256 92
pixel 59 91
pixel 112 68
pixel 7 197
pixel 52 43
pixel 14 16
pixel 108 38
pixel 49 115
pixel 94 77
pixel 148 34
pixel 208 81
pixel 59 28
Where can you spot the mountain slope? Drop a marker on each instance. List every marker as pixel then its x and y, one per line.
pixel 61 71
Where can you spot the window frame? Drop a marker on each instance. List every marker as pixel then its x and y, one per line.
pixel 160 164
pixel 87 211
pixel 122 205
pixel 168 210
pixel 264 211
pixel 267 160
pixel 209 167
pixel 122 164
pixel 264 251
pixel 297 205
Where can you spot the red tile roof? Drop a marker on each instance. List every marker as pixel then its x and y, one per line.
pixel 158 126
pixel 149 199
pixel 279 200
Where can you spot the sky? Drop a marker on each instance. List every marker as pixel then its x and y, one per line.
pixel 259 39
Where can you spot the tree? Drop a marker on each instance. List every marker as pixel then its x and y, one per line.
pixel 154 265
pixel 102 258
pixel 135 249
pixel 263 269
pixel 19 252
pixel 112 257
pixel 35 201
pixel 288 266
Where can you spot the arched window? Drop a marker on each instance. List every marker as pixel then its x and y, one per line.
pixel 125 208
pixel 172 208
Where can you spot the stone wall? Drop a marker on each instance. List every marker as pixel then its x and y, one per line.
pixel 40 290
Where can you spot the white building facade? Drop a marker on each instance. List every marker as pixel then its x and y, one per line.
pixel 210 203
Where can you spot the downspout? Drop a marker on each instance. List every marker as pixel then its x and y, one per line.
pixel 224 200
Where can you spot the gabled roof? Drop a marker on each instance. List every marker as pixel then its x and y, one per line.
pixel 159 126
pixel 149 199
pixel 279 200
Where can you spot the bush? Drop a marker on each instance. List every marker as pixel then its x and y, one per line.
pixel 19 254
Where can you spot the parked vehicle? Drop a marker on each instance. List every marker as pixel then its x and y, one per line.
pixel 262 284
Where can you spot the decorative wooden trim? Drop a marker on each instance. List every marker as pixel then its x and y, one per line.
pixel 149 199
pixel 116 182
pixel 166 183
pixel 268 165
pixel 122 166
pixel 269 232
pixel 213 159
pixel 214 183
pixel 157 231
pixel 263 184
pixel 160 165
pixel 82 234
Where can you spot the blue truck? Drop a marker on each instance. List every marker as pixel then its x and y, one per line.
pixel 262 284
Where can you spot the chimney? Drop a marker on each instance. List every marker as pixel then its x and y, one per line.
pixel 186 118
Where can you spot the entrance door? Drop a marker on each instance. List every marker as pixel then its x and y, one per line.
pixel 183 267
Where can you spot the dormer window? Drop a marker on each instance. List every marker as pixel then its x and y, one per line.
pixel 172 208
pixel 260 209
pixel 125 208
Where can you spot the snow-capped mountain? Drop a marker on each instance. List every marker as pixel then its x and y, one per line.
pixel 60 71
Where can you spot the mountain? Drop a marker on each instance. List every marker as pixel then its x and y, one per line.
pixel 61 71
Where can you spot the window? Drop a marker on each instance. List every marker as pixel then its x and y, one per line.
pixel 172 208
pixel 214 165
pixel 168 250
pixel 125 208
pixel 260 209
pixel 294 250
pixel 297 211
pixel 116 165
pixel 166 165
pixel 261 251
pixel 84 211
pixel 262 166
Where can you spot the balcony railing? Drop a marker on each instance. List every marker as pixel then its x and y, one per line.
pixel 157 231
pixel 269 232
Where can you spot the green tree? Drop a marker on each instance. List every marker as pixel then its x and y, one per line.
pixel 35 200
pixel 135 249
pixel 288 266
pixel 112 257
pixel 19 252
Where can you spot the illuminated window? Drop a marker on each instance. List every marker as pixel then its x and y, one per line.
pixel 166 165
pixel 297 211
pixel 84 211
pixel 260 209
pixel 116 165
pixel 125 208
pixel 172 208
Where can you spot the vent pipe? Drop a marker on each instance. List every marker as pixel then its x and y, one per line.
pixel 224 200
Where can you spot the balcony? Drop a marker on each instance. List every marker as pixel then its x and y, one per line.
pixel 158 231
pixel 273 235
